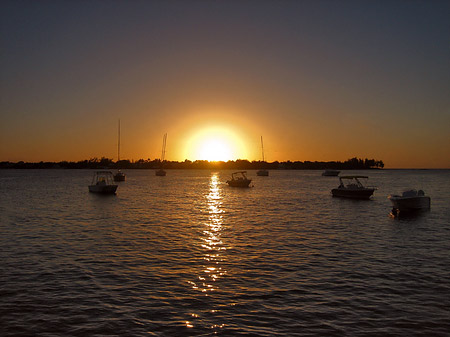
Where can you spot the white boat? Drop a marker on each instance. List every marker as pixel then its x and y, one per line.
pixel 331 173
pixel 409 201
pixel 262 172
pixel 161 172
pixel 239 179
pixel 351 187
pixel 119 176
pixel 102 182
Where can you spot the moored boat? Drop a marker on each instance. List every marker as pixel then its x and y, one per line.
pixel 119 176
pixel 160 172
pixel 262 172
pixel 331 173
pixel 102 182
pixel 351 187
pixel 239 179
pixel 410 201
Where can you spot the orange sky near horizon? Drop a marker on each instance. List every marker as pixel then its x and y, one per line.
pixel 318 81
pixel 142 140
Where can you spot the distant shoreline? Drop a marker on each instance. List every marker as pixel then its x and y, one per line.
pixel 216 168
pixel 106 163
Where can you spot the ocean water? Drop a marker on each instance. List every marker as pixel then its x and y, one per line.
pixel 186 255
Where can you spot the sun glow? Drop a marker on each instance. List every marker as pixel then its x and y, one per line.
pixel 215 150
pixel 215 144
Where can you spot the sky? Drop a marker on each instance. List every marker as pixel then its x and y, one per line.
pixel 318 80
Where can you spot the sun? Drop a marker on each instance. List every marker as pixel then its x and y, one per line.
pixel 214 144
pixel 215 150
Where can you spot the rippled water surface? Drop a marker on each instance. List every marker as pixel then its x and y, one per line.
pixel 186 255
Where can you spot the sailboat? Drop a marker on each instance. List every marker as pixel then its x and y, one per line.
pixel 262 172
pixel 161 172
pixel 119 176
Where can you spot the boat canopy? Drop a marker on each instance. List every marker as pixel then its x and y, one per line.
pixel 105 177
pixel 239 173
pixel 100 173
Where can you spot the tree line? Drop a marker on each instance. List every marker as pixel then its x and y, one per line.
pixel 240 164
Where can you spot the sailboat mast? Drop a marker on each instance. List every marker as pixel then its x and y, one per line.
pixel 165 142
pixel 163 151
pixel 262 148
pixel 118 144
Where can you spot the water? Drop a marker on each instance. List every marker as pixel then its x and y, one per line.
pixel 186 255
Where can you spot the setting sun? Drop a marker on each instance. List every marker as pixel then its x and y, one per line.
pixel 215 144
pixel 214 150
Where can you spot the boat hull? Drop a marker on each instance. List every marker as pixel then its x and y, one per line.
pixel 352 193
pixel 160 173
pixel 262 173
pixel 331 173
pixel 408 204
pixel 103 189
pixel 239 183
pixel 119 177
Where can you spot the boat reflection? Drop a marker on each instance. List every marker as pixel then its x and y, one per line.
pixel 408 215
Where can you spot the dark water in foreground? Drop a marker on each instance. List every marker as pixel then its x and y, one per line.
pixel 186 255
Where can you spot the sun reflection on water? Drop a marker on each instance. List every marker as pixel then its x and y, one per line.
pixel 212 245
pixel 212 242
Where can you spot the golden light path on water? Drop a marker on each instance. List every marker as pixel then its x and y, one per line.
pixel 211 244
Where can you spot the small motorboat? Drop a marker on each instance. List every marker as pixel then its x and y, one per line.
pixel 331 173
pixel 239 179
pixel 119 176
pixel 351 187
pixel 410 201
pixel 102 182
